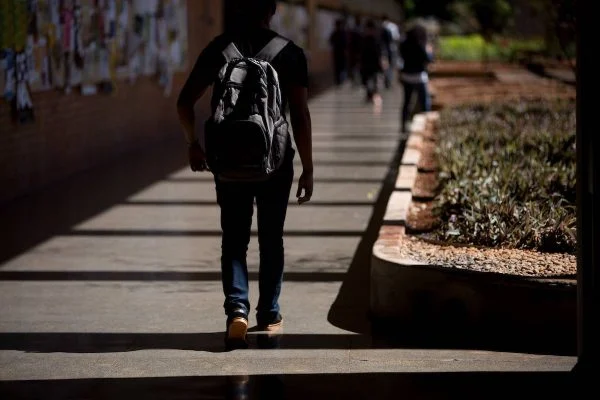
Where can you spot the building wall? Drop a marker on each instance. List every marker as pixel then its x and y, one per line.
pixel 72 132
pixel 374 8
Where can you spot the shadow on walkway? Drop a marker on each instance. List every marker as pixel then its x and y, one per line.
pixel 156 276
pixel 31 219
pixel 456 385
pixel 350 310
pixel 94 342
pixel 85 342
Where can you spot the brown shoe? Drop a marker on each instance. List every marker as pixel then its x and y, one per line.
pixel 270 334
pixel 235 337
pixel 273 326
pixel 237 329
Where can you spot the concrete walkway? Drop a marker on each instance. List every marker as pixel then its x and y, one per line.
pixel 117 277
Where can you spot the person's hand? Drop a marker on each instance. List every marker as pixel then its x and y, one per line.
pixel 197 157
pixel 305 187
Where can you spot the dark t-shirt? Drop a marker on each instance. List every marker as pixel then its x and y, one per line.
pixel 355 42
pixel 339 42
pixel 371 56
pixel 290 64
pixel 415 57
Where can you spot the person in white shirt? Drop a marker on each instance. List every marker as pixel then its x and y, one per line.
pixel 390 38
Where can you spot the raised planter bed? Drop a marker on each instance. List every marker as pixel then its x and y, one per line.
pixel 433 294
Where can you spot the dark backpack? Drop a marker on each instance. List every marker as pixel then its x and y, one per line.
pixel 247 134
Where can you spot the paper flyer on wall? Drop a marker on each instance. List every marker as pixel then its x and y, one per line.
pixel 88 45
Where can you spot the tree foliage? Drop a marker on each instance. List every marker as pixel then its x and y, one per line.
pixel 440 9
pixel 493 16
pixel 486 17
pixel 563 25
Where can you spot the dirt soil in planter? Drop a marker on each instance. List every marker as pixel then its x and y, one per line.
pixel 524 263
pixel 507 82
pixel 448 68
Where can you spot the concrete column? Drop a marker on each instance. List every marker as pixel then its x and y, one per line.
pixel 311 7
pixel 588 212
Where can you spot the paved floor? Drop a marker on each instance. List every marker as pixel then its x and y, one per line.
pixel 110 286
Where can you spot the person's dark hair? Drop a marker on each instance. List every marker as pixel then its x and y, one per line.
pixel 250 13
pixel 263 8
pixel 417 35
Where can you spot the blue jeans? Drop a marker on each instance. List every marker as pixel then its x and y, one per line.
pixel 388 74
pixel 424 99
pixel 236 201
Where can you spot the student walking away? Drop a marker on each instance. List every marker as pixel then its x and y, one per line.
pixel 256 74
pixel 390 39
pixel 417 54
pixel 339 46
pixel 371 60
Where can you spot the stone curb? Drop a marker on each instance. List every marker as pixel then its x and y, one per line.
pixel 400 199
pixel 406 290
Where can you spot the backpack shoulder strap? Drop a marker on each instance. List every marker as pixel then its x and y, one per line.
pixel 231 52
pixel 272 49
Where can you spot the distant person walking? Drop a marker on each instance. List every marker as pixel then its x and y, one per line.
pixel 339 47
pixel 249 152
pixel 370 62
pixel 417 54
pixel 390 39
pixel 355 37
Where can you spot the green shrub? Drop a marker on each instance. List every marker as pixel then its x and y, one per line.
pixel 471 48
pixel 507 173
